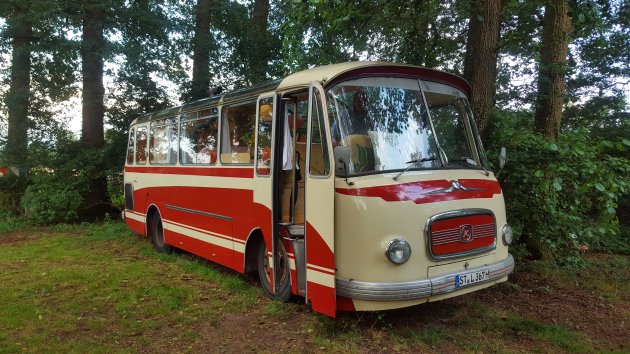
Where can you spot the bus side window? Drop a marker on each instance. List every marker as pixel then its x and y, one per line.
pixel 198 139
pixel 141 145
pixel 237 138
pixel 130 146
pixel 162 141
pixel 319 164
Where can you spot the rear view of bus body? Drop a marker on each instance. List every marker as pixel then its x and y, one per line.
pixel 382 199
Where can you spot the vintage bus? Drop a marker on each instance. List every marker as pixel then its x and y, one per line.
pixel 359 186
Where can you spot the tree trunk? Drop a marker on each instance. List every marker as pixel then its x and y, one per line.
pixel 480 64
pixel 17 100
pixel 92 51
pixel 260 55
pixel 92 131
pixel 552 70
pixel 201 51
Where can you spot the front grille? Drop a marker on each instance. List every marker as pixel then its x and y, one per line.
pixel 461 233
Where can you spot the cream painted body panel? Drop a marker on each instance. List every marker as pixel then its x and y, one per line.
pixel 365 225
pixel 150 180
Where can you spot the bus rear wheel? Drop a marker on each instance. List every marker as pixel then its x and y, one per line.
pixel 265 272
pixel 157 235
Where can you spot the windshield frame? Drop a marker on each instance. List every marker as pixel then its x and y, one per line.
pixel 473 140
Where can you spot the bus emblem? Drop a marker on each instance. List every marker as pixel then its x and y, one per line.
pixel 466 233
pixel 455 185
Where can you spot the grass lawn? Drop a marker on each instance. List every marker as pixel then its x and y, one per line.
pixel 101 288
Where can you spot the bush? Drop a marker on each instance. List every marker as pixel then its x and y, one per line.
pixel 51 199
pixel 563 194
pixel 11 191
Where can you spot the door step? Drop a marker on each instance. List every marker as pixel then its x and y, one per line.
pixel 295 230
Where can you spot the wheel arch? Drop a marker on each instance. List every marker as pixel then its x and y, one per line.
pixel 151 210
pixel 251 247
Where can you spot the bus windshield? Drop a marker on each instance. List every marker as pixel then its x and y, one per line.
pixel 393 124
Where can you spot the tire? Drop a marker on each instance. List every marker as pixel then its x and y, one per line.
pixel 157 235
pixel 264 272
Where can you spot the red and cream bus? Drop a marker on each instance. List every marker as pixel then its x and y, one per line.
pixel 360 186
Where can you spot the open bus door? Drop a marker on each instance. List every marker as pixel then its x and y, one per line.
pixel 265 180
pixel 319 209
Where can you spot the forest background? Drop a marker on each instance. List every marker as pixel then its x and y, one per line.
pixel 550 79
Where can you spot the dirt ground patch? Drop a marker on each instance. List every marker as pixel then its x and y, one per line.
pixel 17 237
pixel 533 296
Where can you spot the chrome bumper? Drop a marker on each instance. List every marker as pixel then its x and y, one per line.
pixel 417 289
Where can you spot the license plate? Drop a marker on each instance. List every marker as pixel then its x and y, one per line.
pixel 471 278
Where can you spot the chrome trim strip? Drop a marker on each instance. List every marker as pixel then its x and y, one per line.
pixel 192 211
pixel 417 289
pixel 455 214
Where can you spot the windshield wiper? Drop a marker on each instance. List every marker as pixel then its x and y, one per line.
pixel 413 163
pixel 468 161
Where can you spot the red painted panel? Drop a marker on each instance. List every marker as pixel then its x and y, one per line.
pixel 345 304
pixel 136 226
pixel 221 227
pixel 427 191
pixel 246 172
pixel 294 289
pixel 321 298
pixel 318 251
pixel 209 251
pixel 232 203
pixel 317 291
pixel 140 200
pixel 236 204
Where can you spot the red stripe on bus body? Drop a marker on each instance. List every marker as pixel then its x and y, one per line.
pixel 247 172
pixel 427 191
pixel 325 271
pixel 205 232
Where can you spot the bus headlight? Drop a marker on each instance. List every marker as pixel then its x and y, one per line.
pixel 507 235
pixel 398 251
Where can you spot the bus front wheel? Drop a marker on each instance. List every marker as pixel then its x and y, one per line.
pixel 265 272
pixel 157 235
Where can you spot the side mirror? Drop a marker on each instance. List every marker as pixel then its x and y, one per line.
pixel 343 155
pixel 502 157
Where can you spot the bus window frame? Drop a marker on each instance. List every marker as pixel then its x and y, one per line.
pixel 146 149
pixel 274 96
pixel 156 123
pixel 326 129
pixel 199 117
pixel 132 135
pixel 225 107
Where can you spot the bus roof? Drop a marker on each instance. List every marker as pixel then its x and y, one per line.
pixel 327 75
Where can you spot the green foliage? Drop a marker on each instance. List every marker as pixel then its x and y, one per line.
pixel 11 191
pixel 57 190
pixel 429 33
pixel 564 194
pixel 51 199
